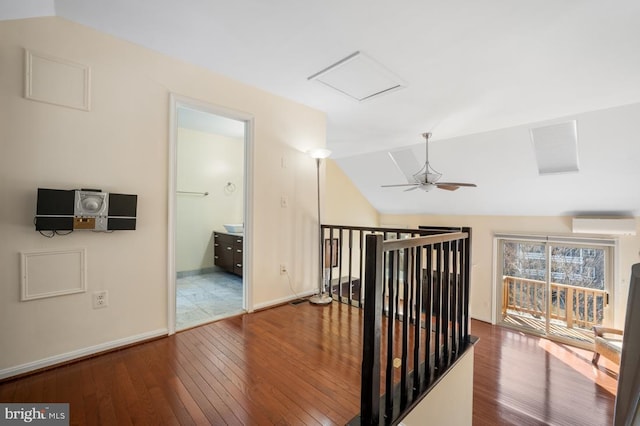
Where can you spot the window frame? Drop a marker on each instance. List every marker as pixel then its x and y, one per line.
pixel 614 262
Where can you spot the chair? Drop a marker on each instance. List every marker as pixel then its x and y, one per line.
pixel 608 342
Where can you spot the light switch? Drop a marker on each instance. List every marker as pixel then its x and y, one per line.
pixel 284 201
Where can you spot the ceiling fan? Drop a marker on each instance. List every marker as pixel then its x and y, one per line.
pixel 427 177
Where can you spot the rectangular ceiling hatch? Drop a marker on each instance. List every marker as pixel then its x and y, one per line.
pixel 556 148
pixel 359 76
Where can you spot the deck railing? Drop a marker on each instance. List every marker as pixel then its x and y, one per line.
pixel 577 306
pixel 416 318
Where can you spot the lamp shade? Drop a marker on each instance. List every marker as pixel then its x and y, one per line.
pixel 319 153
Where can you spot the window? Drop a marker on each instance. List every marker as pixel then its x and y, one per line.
pixel 552 285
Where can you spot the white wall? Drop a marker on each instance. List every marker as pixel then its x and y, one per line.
pixel 450 402
pixel 206 163
pixel 122 145
pixel 343 203
pixel 483 230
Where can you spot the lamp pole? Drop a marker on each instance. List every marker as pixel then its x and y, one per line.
pixel 321 298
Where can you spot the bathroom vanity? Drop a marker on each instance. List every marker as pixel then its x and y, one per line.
pixel 227 251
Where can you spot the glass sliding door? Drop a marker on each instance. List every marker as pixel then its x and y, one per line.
pixel 524 284
pixel 559 289
pixel 579 289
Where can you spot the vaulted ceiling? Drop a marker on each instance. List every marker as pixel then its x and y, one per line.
pixel 478 74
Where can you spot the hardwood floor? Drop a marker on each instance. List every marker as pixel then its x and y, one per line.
pixel 526 380
pixel 299 365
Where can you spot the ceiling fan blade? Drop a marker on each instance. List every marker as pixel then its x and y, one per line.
pixel 406 162
pixel 447 187
pixel 412 189
pixel 471 185
pixel 400 184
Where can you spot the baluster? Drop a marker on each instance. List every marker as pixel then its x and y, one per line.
pixel 417 325
pixel 385 290
pixel 361 266
pixel 339 253
pixel 428 304
pixel 370 380
pixel 460 301
pixel 569 307
pixel 331 261
pixel 454 297
pixel 397 298
pixel 467 280
pixel 437 304
pixel 350 267
pixel 390 332
pixel 406 320
pixel 445 301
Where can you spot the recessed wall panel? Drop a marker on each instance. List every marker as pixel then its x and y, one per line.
pixel 57 81
pixel 49 273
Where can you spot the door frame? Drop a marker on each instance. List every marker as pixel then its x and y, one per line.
pixel 549 240
pixel 176 101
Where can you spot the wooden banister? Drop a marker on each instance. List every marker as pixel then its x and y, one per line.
pixel 422 285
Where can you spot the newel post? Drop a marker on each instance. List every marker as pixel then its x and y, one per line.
pixel 370 385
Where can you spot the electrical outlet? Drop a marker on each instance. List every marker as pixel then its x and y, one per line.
pixel 100 299
pixel 283 269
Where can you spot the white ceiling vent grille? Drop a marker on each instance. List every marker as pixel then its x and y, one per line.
pixel 359 76
pixel 556 148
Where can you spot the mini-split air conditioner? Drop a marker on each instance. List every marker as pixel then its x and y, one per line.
pixel 84 209
pixel 604 225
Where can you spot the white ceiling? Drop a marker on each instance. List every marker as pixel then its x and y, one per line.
pixel 477 75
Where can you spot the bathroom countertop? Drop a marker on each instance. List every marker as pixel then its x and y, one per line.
pixel 235 234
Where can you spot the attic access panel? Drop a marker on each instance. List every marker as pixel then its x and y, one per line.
pixel 358 76
pixel 556 148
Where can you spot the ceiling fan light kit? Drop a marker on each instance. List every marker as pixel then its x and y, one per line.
pixel 427 177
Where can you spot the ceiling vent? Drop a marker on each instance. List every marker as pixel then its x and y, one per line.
pixel 359 76
pixel 556 148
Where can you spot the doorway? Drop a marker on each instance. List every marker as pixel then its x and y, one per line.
pixel 208 202
pixel 557 289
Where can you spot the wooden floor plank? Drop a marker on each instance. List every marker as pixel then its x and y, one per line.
pixel 153 376
pixel 239 383
pixel 522 379
pixel 308 384
pixel 213 377
pixel 300 365
pixel 197 387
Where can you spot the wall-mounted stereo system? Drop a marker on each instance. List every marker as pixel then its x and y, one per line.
pixel 84 209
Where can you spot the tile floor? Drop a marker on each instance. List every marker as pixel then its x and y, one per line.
pixel 208 297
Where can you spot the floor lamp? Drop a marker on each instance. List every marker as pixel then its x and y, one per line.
pixel 322 298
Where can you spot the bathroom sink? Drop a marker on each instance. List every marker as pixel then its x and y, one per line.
pixel 234 228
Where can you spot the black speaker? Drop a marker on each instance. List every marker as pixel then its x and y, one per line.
pixel 122 212
pixel 122 205
pixel 55 202
pixel 54 210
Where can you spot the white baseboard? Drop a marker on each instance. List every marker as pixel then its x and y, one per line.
pixel 284 299
pixel 79 353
